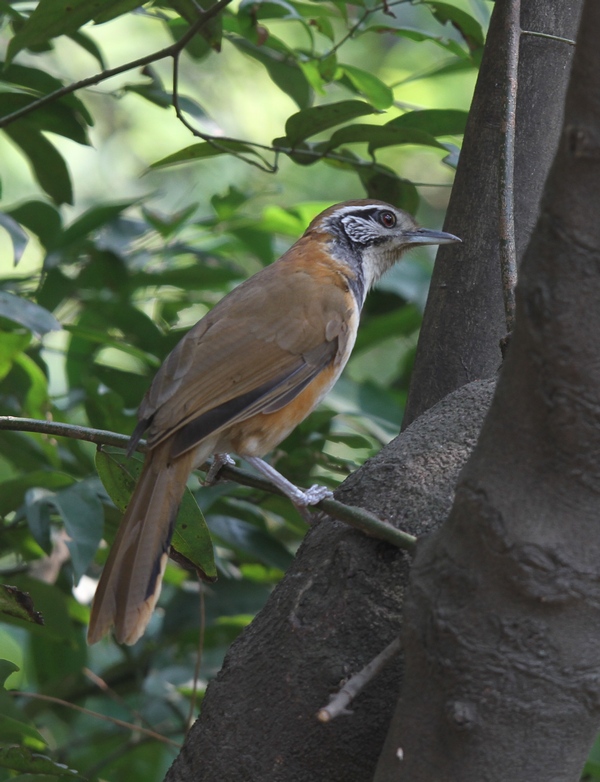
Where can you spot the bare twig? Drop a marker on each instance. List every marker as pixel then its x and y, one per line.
pixel 508 247
pixel 202 629
pixel 340 701
pixel 558 38
pixel 214 141
pixel 120 723
pixel 356 517
pixel 168 51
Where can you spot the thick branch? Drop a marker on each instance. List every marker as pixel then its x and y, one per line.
pixel 502 624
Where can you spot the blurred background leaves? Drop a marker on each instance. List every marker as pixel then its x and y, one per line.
pixel 119 229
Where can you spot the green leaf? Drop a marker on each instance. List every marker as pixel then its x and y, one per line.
pixel 378 136
pixel 308 122
pixel 246 538
pixel 48 165
pixel 35 318
pixel 81 511
pixel 54 117
pixel 284 72
pixel 18 605
pixel 204 150
pixel 52 18
pixel 41 83
pixel 401 321
pixel 90 46
pixel 436 122
pixel 17 235
pixel 40 218
pixel 384 185
pixel 14 727
pixel 375 91
pixel 11 345
pixel 21 759
pixel 13 491
pixel 191 537
pixel 6 666
pixel 467 26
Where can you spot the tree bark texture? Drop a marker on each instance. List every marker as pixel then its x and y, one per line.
pixel 337 607
pixel 464 318
pixel 502 621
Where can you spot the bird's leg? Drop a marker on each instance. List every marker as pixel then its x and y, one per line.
pixel 219 460
pixel 301 498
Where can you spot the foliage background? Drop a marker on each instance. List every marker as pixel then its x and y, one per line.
pixel 126 255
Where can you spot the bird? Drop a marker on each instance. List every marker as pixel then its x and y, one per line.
pixel 241 380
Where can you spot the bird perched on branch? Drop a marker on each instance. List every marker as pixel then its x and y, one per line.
pixel 241 379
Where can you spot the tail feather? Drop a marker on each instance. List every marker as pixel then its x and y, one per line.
pixel 132 577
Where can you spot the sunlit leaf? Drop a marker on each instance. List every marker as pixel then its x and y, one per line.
pixel 309 122
pixel 375 91
pixel 52 18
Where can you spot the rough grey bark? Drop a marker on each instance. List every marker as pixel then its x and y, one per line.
pixel 337 607
pixel 340 603
pixel 502 622
pixel 464 318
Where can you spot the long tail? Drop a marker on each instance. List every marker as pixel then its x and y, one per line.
pixel 131 580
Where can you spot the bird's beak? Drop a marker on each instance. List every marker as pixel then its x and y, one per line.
pixel 427 236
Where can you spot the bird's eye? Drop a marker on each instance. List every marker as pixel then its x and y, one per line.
pixel 387 219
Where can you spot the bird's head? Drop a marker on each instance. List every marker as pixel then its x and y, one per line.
pixel 370 236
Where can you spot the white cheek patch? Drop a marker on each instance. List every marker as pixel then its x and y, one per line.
pixel 360 230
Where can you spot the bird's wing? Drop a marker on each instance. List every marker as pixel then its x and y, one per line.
pixel 250 354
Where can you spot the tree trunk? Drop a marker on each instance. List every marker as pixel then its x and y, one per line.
pixel 502 621
pixel 337 607
pixel 340 603
pixel 464 318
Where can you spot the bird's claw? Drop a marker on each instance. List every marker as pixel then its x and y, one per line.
pixel 219 461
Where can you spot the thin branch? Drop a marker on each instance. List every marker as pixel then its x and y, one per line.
pixel 383 7
pixel 559 38
pixel 354 516
pixel 214 141
pixel 339 702
pixel 168 51
pixel 120 723
pixel 508 246
pixel 201 632
pixel 58 429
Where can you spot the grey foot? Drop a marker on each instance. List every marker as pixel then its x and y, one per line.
pixel 219 461
pixel 312 496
